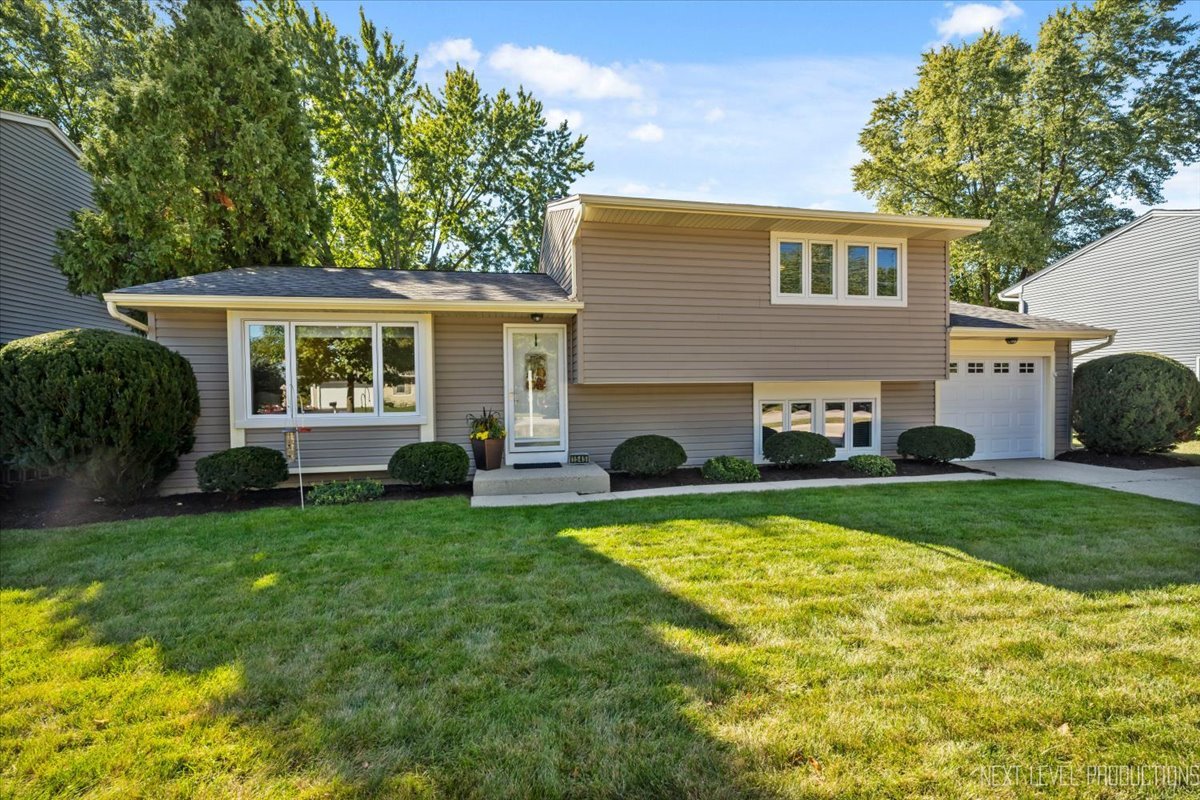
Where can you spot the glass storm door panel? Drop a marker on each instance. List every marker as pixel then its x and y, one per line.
pixel 536 391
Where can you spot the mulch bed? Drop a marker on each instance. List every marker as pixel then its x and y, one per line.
pixel 830 469
pixel 1152 461
pixel 55 503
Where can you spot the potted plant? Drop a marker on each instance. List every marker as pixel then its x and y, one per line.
pixel 487 439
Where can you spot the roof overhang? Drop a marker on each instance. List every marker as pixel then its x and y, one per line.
pixel 243 302
pixel 966 332
pixel 737 216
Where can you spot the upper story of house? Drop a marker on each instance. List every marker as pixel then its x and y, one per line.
pixel 41 183
pixel 677 291
pixel 1142 279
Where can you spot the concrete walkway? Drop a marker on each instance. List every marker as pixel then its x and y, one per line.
pixel 1182 483
pixel 714 488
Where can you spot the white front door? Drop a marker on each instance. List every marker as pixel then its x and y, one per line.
pixel 998 401
pixel 535 393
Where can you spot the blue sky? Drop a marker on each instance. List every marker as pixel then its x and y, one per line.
pixel 739 102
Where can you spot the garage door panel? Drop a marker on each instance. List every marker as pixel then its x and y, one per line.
pixel 1001 405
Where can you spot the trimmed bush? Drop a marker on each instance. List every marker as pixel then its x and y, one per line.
pixel 235 470
pixel 937 443
pixel 109 410
pixel 797 449
pixel 730 469
pixel 1133 403
pixel 645 456
pixel 430 464
pixel 343 493
pixel 874 466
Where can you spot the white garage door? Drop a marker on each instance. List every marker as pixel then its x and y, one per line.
pixel 998 401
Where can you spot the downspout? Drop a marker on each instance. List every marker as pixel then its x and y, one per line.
pixel 1107 341
pixel 117 314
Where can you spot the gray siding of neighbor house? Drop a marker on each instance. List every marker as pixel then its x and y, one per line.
pixel 1062 395
pixel 557 258
pixel 41 183
pixel 199 336
pixel 1144 282
pixel 905 405
pixel 666 305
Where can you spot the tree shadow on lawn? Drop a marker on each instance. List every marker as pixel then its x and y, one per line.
pixel 391 656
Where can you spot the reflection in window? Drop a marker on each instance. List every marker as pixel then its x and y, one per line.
pixel 399 369
pixel 953 367
pixel 268 369
pixel 334 372
pixel 864 418
pixel 1000 367
pixel 771 419
pixel 822 269
pixel 887 266
pixel 974 367
pixel 791 267
pixel 801 417
pixel 835 423
pixel 1026 368
pixel 858 269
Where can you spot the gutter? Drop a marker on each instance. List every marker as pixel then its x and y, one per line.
pixel 117 314
pixel 1109 340
pixel 339 304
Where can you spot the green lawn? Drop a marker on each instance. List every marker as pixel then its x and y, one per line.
pixel 1189 450
pixel 877 642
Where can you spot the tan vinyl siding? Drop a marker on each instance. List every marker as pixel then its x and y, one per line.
pixel 341 447
pixel 41 183
pixel 468 357
pixel 905 405
pixel 1144 283
pixel 671 305
pixel 1063 374
pixel 708 420
pixel 199 336
pixel 557 257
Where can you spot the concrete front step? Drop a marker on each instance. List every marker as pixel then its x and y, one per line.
pixel 569 478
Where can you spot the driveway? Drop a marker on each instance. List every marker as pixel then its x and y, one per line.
pixel 1182 483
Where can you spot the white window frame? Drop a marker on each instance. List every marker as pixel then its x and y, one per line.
pixel 816 394
pixel 239 360
pixel 841 295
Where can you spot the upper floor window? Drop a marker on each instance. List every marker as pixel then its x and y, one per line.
pixel 837 270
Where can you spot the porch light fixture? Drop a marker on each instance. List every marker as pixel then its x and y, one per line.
pixel 536 317
pixel 1011 340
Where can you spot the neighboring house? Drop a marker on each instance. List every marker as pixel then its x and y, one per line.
pixel 1142 279
pixel 41 183
pixel 714 324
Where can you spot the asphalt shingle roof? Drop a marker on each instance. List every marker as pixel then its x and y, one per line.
pixel 965 315
pixel 365 284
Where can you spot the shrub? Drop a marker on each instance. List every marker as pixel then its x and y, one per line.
pixel 797 449
pixel 235 470
pixel 1134 403
pixel 342 493
pixel 875 466
pixel 110 410
pixel 645 456
pixel 730 469
pixel 937 443
pixel 430 464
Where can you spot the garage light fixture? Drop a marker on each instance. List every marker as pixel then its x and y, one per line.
pixel 1011 340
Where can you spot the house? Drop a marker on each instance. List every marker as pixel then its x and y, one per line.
pixel 1142 279
pixel 715 324
pixel 41 183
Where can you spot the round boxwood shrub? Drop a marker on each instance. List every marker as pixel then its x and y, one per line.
pixel 110 410
pixel 235 470
pixel 797 449
pixel 430 464
pixel 645 456
pixel 937 443
pixel 874 466
pixel 730 469
pixel 1132 403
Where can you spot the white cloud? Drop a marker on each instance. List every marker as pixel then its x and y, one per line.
pixel 557 74
pixel 714 114
pixel 969 19
pixel 453 51
pixel 647 133
pixel 572 117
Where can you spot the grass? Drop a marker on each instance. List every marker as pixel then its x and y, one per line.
pixel 884 641
pixel 1189 450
